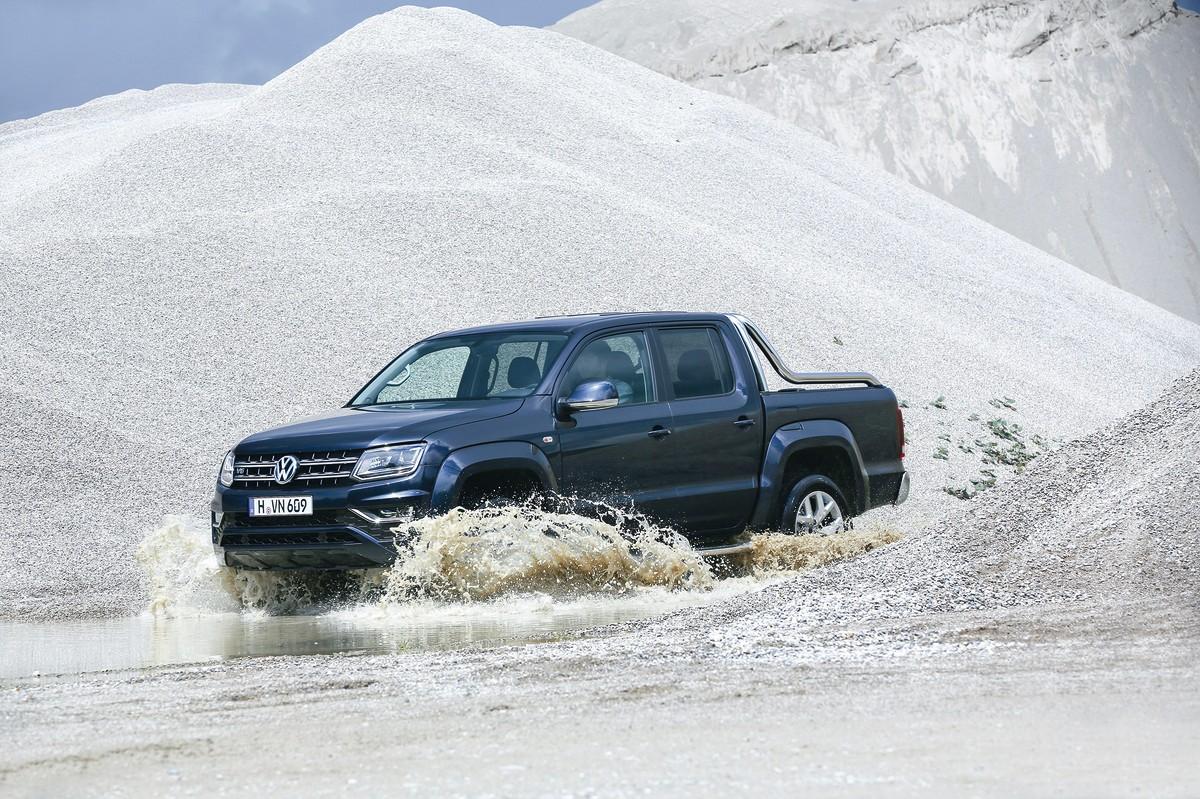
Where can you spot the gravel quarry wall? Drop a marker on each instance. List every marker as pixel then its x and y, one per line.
pixel 1068 124
pixel 187 265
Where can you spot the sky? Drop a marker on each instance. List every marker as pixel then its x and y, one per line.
pixel 61 53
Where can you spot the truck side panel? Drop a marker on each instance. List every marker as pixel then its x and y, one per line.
pixel 501 456
pixel 796 440
pixel 869 413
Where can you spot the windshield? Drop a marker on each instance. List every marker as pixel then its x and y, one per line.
pixel 484 366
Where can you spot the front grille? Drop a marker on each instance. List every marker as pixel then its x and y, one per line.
pixel 316 470
pixel 324 526
pixel 321 518
pixel 290 538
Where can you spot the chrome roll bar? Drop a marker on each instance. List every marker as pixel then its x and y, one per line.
pixel 750 333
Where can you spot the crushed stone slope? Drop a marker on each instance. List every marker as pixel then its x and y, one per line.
pixel 41 151
pixel 1103 529
pixel 1071 125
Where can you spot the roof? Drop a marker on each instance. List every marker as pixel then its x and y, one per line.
pixel 588 322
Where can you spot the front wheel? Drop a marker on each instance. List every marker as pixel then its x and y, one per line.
pixel 815 506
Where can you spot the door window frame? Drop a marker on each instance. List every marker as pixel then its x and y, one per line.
pixel 650 365
pixel 668 385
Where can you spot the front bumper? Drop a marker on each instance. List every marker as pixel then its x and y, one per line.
pixel 352 527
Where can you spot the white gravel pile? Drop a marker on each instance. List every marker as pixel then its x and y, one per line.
pixel 1107 527
pixel 1069 124
pixel 189 265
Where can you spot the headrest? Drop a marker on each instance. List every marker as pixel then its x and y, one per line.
pixel 620 366
pixel 696 366
pixel 523 372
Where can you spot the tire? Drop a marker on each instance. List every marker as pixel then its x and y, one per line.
pixel 807 510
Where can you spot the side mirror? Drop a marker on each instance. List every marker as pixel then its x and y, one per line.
pixel 591 396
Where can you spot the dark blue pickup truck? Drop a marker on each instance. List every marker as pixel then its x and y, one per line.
pixel 666 412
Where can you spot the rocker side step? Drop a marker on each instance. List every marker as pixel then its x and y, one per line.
pixel 725 549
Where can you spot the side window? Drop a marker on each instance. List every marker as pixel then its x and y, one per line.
pixel 623 360
pixel 697 362
pixel 517 368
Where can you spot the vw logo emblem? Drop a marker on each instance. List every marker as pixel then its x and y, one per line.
pixel 285 469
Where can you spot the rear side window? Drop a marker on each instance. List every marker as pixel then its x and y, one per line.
pixel 697 363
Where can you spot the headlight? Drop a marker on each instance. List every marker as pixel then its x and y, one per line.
pixel 382 462
pixel 226 477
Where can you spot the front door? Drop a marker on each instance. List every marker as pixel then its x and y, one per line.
pixel 616 455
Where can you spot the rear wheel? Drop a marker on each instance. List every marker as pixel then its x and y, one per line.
pixel 815 506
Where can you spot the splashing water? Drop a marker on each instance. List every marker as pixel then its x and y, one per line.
pixel 777 554
pixel 183 573
pixel 473 555
pixel 499 576
pixel 186 579
pixel 519 554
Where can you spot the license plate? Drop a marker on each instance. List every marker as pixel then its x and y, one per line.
pixel 281 506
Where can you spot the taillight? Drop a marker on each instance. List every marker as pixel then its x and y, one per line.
pixel 900 430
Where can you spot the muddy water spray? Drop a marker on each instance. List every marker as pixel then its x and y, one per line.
pixel 468 555
pixel 776 553
pixel 467 558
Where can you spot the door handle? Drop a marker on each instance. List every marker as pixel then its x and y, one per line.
pixel 659 432
pixel 743 422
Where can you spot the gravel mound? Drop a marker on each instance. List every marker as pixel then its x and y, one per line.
pixel 1068 124
pixel 41 151
pixel 1108 526
pixel 185 266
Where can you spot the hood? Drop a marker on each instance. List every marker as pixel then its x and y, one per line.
pixel 377 426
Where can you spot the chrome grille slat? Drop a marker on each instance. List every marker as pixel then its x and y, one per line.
pixel 315 470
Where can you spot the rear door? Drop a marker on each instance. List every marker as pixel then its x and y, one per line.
pixel 717 421
pixel 617 455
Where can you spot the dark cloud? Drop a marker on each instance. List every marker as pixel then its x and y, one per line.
pixel 63 53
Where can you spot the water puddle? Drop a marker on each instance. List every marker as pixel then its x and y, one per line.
pixel 146 640
pixel 508 575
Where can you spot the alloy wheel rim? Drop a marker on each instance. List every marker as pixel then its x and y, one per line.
pixel 819 514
